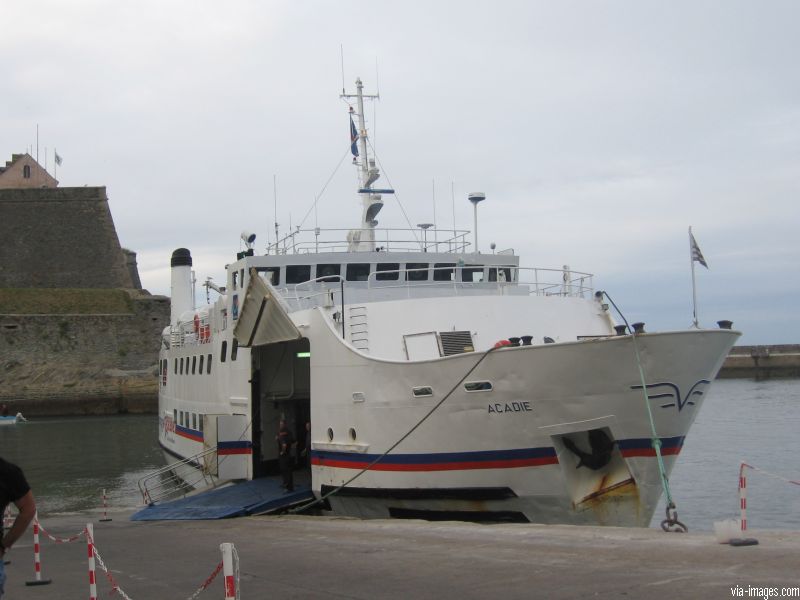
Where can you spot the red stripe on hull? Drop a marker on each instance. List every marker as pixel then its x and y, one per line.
pixel 458 466
pixel 637 452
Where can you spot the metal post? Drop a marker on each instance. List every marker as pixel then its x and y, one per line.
pixel 92 575
pixel 227 570
pixel 37 560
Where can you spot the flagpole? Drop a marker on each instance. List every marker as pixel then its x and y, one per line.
pixel 694 287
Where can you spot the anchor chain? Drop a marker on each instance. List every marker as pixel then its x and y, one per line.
pixel 671 523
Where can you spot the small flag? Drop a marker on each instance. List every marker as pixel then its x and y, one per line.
pixel 353 137
pixel 696 254
pixel 57 158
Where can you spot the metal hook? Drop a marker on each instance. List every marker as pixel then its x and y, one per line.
pixel 671 523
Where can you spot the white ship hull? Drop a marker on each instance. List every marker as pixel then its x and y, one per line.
pixel 500 451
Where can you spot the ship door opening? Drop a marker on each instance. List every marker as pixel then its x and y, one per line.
pixel 281 390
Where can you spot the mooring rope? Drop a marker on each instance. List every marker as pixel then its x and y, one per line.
pixel 671 522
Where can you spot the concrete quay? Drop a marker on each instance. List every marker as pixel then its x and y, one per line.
pixel 326 557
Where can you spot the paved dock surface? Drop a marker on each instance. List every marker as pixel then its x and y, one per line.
pixel 327 557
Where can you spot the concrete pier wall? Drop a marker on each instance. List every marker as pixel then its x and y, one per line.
pixel 762 362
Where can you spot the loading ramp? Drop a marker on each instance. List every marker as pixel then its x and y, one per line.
pixel 256 497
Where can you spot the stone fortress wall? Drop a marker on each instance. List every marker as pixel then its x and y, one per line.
pixel 78 335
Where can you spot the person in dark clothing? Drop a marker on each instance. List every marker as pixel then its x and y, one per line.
pixel 14 488
pixel 285 443
pixel 305 453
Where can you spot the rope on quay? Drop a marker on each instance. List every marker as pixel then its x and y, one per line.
pixel 671 522
pixel 229 565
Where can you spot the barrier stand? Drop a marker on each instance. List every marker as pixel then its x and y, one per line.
pixel 105 508
pixel 231 591
pixel 37 563
pixel 743 500
pixel 90 548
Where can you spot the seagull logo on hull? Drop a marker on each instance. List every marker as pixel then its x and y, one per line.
pixel 670 390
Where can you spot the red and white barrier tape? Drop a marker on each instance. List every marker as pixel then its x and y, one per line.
pixel 743 489
pixel 59 540
pixel 207 582
pixel 94 555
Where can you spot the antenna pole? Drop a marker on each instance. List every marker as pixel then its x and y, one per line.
pixel 433 199
pixel 453 198
pixel 341 53
pixel 275 211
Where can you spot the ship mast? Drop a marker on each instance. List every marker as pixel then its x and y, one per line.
pixel 363 239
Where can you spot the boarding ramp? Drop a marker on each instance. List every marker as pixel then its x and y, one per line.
pixel 260 496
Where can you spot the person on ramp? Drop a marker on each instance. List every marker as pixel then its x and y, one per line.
pixel 286 441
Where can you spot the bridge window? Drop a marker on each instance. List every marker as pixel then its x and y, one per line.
pixel 200 422
pixel 234 277
pixel 358 272
pixel 200 370
pixel 444 272
pixel 298 273
pixel 329 272
pixel 194 421
pixel 176 366
pixel 181 366
pixel 387 271
pixel 224 351
pixel 500 274
pixel 234 349
pixel 208 365
pixel 416 271
pixel 472 273
pixel 271 274
pixel 194 364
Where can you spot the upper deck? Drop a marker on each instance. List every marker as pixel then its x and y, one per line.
pixel 400 266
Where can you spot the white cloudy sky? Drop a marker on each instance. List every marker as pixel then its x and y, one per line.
pixel 599 131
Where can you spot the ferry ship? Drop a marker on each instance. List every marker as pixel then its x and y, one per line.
pixel 439 381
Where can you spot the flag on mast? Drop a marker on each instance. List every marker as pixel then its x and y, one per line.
pixel 57 158
pixel 353 137
pixel 697 256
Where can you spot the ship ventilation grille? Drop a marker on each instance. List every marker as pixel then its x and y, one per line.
pixel 455 342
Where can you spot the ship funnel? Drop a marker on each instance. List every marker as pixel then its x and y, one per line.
pixel 181 284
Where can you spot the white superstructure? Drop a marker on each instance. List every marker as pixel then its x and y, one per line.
pixel 463 385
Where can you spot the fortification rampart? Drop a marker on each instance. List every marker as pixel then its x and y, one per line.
pixel 60 238
pixel 58 364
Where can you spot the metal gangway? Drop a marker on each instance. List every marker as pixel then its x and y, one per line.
pixel 179 478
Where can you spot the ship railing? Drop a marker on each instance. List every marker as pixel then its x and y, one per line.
pixel 384 240
pixel 501 280
pixel 178 478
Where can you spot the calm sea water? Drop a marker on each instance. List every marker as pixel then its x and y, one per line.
pixel 69 461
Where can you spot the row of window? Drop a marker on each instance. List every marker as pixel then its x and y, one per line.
pixel 188 420
pixel 293 274
pixel 194 365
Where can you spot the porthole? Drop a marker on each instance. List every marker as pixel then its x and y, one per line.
pixel 330 434
pixel 422 391
pixel 478 386
pixel 352 433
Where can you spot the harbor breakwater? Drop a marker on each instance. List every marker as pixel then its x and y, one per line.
pixel 762 362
